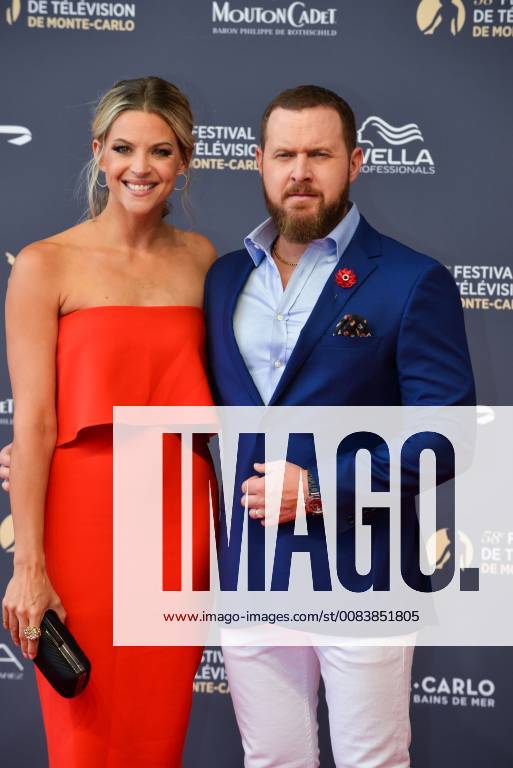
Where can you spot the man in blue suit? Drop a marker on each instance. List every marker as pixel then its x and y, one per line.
pixel 321 309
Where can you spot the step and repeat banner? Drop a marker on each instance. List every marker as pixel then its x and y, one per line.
pixel 430 83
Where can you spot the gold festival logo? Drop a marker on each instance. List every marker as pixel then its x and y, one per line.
pixel 440 549
pixel 442 15
pixel 12 13
pixel 7 534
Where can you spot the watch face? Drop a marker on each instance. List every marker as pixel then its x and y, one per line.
pixel 313 506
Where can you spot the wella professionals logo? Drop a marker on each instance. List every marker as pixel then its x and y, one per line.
pixel 12 13
pixel 391 149
pixel 441 16
pixel 376 128
pixel 19 134
pixel 297 18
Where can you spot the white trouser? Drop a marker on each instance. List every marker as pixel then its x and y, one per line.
pixel 274 692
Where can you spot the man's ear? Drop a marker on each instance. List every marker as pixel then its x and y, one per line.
pixel 355 163
pixel 259 157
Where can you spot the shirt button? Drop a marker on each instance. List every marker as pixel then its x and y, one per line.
pixel 279 317
pixel 277 363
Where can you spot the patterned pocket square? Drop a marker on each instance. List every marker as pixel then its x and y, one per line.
pixel 352 325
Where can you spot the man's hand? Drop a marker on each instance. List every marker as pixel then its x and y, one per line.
pixel 5 465
pixel 282 479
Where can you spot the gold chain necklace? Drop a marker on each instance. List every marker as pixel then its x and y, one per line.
pixel 276 255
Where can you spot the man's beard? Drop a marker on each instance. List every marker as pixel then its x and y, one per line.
pixel 299 227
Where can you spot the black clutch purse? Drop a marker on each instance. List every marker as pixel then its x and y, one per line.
pixel 60 659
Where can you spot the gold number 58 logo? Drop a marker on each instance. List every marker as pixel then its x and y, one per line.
pixel 12 13
pixel 7 534
pixel 441 16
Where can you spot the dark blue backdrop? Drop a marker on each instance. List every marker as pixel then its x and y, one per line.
pixel 446 70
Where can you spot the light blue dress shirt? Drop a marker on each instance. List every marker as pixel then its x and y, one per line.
pixel 269 319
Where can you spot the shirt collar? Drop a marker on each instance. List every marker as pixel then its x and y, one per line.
pixel 258 243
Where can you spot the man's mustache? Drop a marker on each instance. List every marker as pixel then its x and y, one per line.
pixel 300 189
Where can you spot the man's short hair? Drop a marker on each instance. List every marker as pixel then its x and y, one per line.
pixel 306 97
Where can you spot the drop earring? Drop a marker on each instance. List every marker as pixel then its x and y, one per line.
pixel 102 186
pixel 181 189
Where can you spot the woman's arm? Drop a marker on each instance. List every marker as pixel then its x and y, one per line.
pixel 32 311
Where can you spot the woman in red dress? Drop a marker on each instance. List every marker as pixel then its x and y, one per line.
pixel 105 313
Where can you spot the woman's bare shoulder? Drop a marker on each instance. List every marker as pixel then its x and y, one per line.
pixel 200 246
pixel 57 245
pixel 39 258
pixel 50 255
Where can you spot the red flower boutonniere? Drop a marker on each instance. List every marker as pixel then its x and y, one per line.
pixel 346 278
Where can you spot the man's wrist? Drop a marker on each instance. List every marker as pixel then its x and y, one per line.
pixel 313 502
pixel 312 484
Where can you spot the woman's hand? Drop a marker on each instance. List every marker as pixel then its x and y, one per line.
pixel 5 465
pixel 28 595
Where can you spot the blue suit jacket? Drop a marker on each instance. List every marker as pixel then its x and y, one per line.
pixel 417 355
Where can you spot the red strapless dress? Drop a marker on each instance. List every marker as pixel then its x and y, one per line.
pixel 135 709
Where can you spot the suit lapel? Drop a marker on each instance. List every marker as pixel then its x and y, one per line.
pixel 239 278
pixel 358 256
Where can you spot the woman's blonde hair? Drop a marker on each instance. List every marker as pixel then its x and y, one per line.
pixel 145 94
